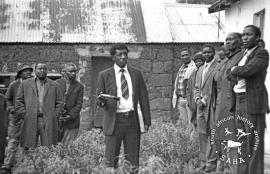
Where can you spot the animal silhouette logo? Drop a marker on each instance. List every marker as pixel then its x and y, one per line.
pixel 241 133
pixel 233 138
pixel 232 144
pixel 227 132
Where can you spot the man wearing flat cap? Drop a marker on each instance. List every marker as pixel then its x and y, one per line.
pixel 24 72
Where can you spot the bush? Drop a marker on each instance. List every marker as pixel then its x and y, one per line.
pixel 166 148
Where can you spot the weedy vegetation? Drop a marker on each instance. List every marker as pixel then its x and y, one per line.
pixel 165 149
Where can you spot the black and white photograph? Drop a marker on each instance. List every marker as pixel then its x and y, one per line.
pixel 134 87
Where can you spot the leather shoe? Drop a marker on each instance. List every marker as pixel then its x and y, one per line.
pixel 5 170
pixel 209 170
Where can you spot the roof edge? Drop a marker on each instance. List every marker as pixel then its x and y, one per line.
pixel 105 43
pixel 221 5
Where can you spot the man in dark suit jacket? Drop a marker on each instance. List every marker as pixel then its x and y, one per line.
pixel 223 94
pixel 203 97
pixel 222 85
pixel 251 100
pixel 72 91
pixel 120 121
pixel 14 127
pixel 199 61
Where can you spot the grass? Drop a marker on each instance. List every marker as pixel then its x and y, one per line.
pixel 166 148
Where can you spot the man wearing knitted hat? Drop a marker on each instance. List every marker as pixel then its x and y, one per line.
pixel 199 61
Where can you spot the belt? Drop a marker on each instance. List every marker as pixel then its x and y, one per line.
pixel 125 114
pixel 181 96
pixel 39 115
pixel 241 94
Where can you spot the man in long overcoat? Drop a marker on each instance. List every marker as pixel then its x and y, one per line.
pixel 39 103
pixel 14 126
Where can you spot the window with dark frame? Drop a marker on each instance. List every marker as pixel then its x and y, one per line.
pixel 259 20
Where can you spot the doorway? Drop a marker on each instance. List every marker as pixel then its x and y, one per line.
pixel 98 64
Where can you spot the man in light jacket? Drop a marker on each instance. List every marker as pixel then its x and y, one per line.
pixel 179 98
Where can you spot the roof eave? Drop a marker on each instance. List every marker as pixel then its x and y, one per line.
pixel 221 5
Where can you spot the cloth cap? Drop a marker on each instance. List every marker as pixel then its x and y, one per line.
pixel 23 67
pixel 198 56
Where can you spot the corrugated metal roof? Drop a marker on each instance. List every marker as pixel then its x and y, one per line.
pixel 192 23
pixel 221 5
pixel 106 21
pixel 56 21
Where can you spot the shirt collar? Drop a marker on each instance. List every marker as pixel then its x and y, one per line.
pixel 209 63
pixel 248 51
pixel 234 52
pixel 187 65
pixel 36 79
pixel 117 68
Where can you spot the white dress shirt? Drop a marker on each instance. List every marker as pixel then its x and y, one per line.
pixel 205 68
pixel 123 105
pixel 240 87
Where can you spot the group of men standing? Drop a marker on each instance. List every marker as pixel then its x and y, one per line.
pixel 41 111
pixel 208 92
pixel 225 101
pixel 44 112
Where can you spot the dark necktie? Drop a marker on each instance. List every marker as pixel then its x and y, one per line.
pixel 124 85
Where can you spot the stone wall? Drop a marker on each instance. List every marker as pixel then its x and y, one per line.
pixel 158 63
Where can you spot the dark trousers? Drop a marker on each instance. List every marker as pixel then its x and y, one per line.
pixel 126 131
pixel 253 144
pixel 41 132
pixel 14 131
pixel 208 156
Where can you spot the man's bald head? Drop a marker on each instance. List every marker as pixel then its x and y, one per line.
pixel 233 41
pixel 236 34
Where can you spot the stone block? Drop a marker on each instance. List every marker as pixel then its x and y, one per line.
pixel 53 54
pixel 86 122
pixel 160 104
pixel 134 63
pixel 5 56
pixel 164 115
pixel 149 53
pixel 158 67
pixel 135 51
pixel 54 66
pixel 168 66
pixel 161 79
pixel 68 55
pixel 145 65
pixel 147 78
pixel 165 54
pixel 154 93
pixel 32 54
pixel 165 91
pixel 91 48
